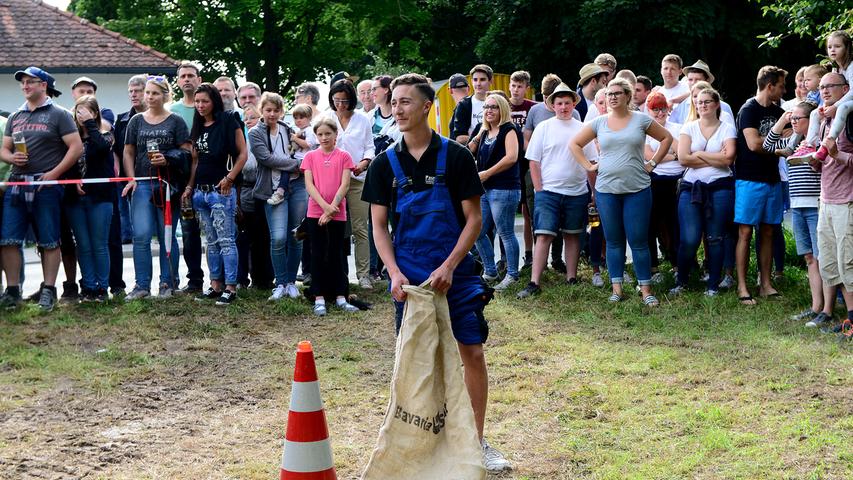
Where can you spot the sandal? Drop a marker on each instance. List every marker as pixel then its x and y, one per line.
pixel 747 300
pixel 650 301
pixel 615 298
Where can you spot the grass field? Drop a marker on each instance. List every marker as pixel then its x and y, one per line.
pixel 696 389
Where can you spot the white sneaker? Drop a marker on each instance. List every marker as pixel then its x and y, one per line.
pixel 365 283
pixel 627 278
pixel 278 293
pixel 276 198
pixel 657 278
pixel 597 281
pixel 493 460
pixel 505 283
pixel 291 291
pixel 727 282
pixel 489 278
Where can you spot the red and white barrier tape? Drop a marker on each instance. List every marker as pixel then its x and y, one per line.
pixel 79 181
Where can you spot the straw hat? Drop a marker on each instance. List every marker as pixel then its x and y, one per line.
pixel 563 89
pixel 700 66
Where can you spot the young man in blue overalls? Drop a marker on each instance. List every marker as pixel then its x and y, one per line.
pixel 434 189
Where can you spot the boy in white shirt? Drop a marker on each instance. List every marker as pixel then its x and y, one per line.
pixel 560 183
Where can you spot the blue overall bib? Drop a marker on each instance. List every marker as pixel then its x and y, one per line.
pixel 425 235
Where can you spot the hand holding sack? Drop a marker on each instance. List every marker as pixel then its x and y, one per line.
pixel 429 430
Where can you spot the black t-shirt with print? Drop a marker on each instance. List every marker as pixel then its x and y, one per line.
pixel 756 167
pixel 214 145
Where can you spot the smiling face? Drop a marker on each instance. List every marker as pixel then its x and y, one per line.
pixel 491 111
pixel 706 106
pixel 659 114
pixel 365 94
pixel 409 107
pixel 33 88
pixel 378 93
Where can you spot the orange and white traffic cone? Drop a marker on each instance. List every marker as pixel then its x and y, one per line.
pixel 307 451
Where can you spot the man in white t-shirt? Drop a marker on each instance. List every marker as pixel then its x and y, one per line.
pixel 670 70
pixel 468 113
pixel 560 183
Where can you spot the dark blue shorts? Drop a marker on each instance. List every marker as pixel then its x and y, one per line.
pixel 555 213
pixel 42 214
pixel 471 329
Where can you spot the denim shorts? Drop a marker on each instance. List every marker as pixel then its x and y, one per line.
pixel 805 230
pixel 758 202
pixel 42 214
pixel 555 212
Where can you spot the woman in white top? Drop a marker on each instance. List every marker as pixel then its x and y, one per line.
pixel 355 136
pixel 706 196
pixel 693 113
pixel 665 175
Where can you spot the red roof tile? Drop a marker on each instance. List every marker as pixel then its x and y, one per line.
pixel 34 33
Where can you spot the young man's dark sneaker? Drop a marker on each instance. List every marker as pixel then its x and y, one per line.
pixel 209 294
pixel 34 298
pixel 189 289
pixel 528 291
pixel 87 296
pixel 819 321
pixel 70 293
pixel 559 266
pixel 47 301
pixel 101 295
pixel 227 298
pixel 11 299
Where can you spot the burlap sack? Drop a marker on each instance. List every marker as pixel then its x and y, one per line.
pixel 429 430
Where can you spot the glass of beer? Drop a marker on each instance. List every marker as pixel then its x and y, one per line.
pixel 20 142
pixel 152 147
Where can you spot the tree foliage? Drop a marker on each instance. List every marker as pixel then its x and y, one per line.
pixel 806 18
pixel 280 43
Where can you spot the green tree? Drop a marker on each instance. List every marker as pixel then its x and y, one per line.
pixel 806 18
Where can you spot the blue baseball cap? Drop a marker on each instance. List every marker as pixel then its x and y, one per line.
pixel 36 72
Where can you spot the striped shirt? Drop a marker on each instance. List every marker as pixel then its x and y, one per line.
pixel 803 181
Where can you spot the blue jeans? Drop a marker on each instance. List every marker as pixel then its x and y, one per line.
pixel 498 207
pixel 693 224
pixel 805 230
pixel 285 250
pixel 91 221
pixel 124 214
pixel 216 213
pixel 626 215
pixel 147 221
pixel 41 213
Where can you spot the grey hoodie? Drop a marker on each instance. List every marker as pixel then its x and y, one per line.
pixel 259 144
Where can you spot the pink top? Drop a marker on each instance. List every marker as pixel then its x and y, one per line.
pixel 327 170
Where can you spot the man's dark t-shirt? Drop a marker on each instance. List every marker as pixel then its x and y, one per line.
pixel 461 177
pixel 43 129
pixel 756 167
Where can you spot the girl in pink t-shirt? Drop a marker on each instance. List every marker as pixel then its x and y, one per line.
pixel 327 174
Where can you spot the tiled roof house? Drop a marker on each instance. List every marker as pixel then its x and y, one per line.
pixel 67 46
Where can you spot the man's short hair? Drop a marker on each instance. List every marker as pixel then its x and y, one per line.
pixel 418 81
pixel 226 79
pixel 251 85
pixel 606 59
pixel 307 89
pixel 817 69
pixel 645 81
pixel 188 64
pixel 627 75
pixel 520 77
pixel 137 81
pixel 769 75
pixel 549 84
pixel 482 68
pixel 673 58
